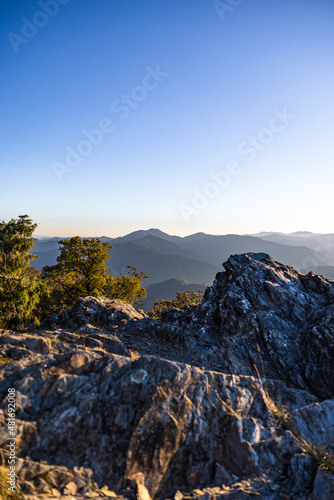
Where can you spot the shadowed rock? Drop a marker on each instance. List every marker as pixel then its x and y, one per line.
pixel 265 312
pixel 113 403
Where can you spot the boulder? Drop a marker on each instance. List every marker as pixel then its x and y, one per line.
pixel 230 399
pixel 99 311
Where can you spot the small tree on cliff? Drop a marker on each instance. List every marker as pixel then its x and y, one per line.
pixel 183 299
pixel 127 287
pixel 19 287
pixel 80 271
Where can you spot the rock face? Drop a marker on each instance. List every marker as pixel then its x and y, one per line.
pixel 259 302
pixel 111 403
pixel 259 313
pixel 99 310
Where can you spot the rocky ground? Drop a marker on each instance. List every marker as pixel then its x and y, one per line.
pixel 231 399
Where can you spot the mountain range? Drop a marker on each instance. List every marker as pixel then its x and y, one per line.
pixel 174 263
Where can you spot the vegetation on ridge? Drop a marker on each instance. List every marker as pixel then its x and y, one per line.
pixel 183 299
pixel 322 456
pixel 19 283
pixel 80 271
pixel 28 295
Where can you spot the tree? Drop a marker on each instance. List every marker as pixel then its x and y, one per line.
pixel 127 287
pixel 19 283
pixel 188 297
pixel 80 271
pixel 183 299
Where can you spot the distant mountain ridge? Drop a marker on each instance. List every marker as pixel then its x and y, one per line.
pixel 196 259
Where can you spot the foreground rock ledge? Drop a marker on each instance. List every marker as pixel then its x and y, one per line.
pixel 96 420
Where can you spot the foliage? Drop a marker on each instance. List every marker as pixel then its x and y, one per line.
pixel 134 354
pixel 323 457
pixel 19 283
pixel 183 299
pixel 127 287
pixel 80 271
pixel 188 297
pixel 5 360
pixel 320 454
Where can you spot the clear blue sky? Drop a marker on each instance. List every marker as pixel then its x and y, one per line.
pixel 186 93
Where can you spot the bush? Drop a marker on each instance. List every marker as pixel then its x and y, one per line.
pixel 127 287
pixel 183 299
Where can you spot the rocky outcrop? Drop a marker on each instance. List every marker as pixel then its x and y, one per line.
pixel 182 428
pixel 262 316
pixel 16 346
pixel 232 399
pixel 97 310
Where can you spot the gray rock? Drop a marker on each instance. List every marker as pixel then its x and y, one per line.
pixel 214 405
pixel 100 311
pixel 323 486
pixel 315 423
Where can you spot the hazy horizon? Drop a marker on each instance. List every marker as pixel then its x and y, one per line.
pixel 73 233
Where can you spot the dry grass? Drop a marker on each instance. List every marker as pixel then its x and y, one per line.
pixel 134 354
pixel 323 457
pixel 4 493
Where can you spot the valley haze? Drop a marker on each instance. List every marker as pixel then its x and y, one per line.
pixel 174 263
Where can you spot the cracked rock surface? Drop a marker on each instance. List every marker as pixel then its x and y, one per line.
pixel 211 402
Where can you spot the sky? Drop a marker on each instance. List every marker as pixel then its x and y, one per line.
pixel 184 115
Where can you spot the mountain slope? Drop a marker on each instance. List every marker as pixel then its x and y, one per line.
pixel 326 271
pixel 195 258
pixel 160 266
pixel 167 247
pixel 142 233
pixel 322 244
pixel 218 249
